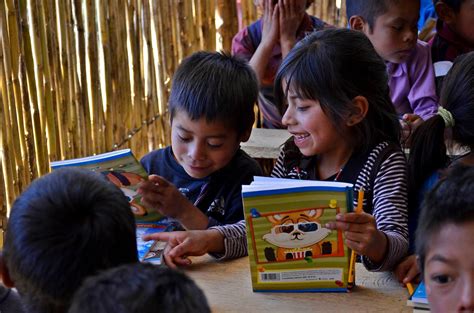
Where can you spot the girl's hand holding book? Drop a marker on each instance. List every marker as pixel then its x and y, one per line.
pixel 361 235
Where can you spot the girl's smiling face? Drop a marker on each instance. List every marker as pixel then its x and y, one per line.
pixel 312 130
pixel 449 269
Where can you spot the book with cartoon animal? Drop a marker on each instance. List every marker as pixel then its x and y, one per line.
pixel 123 170
pixel 289 248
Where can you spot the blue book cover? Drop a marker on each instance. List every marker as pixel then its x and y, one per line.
pixel 419 296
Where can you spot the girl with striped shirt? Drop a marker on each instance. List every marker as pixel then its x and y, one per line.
pixel 334 92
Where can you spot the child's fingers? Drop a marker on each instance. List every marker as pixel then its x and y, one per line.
pixel 354 245
pixel 169 261
pixel 412 273
pixel 165 236
pixel 347 226
pixel 155 179
pixel 359 218
pixel 183 249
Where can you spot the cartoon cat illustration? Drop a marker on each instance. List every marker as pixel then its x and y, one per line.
pixel 297 235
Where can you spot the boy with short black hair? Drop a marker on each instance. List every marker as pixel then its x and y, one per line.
pixel 65 226
pixel 445 241
pixel 140 288
pixel 391 26
pixel 454 29
pixel 197 180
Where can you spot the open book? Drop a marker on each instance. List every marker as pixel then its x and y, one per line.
pixel 289 247
pixel 125 171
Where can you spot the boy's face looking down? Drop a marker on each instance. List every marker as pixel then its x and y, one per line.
pixel 395 32
pixel 202 147
pixel 449 268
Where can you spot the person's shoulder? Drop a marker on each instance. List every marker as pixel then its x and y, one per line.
pixel 154 157
pixel 243 162
pixel 158 153
pixel 422 53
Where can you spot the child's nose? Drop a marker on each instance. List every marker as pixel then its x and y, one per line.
pixel 467 296
pixel 411 35
pixel 197 152
pixel 287 118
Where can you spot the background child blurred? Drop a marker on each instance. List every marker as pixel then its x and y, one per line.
pixel 139 288
pixel 65 226
pixel 344 128
pixel 428 158
pixel 391 26
pixel 266 42
pixel 444 241
pixel 197 180
pixel 454 29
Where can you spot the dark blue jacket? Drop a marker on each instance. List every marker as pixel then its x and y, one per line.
pixel 219 195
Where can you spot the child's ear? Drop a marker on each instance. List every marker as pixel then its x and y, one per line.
pixel 5 274
pixel 357 22
pixel 445 12
pixel 360 109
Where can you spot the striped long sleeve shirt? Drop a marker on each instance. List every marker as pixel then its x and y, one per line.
pixel 389 202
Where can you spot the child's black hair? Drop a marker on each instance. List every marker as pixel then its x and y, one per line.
pixel 369 10
pixel 215 86
pixel 453 4
pixel 334 66
pixel 428 148
pixel 66 226
pixel 140 288
pixel 450 201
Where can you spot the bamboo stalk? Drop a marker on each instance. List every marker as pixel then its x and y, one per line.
pixel 5 121
pixel 50 126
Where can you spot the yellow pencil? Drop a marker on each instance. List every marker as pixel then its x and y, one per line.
pixel 410 288
pixel 350 279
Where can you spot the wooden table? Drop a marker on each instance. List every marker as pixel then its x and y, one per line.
pixel 228 288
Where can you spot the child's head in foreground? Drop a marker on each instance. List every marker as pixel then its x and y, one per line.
pixel 459 16
pixel 65 226
pixel 334 88
pixel 391 25
pixel 445 242
pixel 212 110
pixel 140 288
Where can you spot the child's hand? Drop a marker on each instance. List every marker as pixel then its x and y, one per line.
pixel 290 20
pixel 162 195
pixel 362 235
pixel 270 26
pixel 407 271
pixel 182 244
pixel 409 123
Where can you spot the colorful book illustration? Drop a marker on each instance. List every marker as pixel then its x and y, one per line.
pixel 419 299
pixel 289 247
pixel 122 169
pixel 151 251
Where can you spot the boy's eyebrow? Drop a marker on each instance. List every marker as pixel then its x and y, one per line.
pixel 223 135
pixel 440 258
pixel 400 19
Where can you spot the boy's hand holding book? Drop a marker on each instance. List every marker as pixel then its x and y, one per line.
pixel 163 196
pixel 182 244
pixel 362 235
